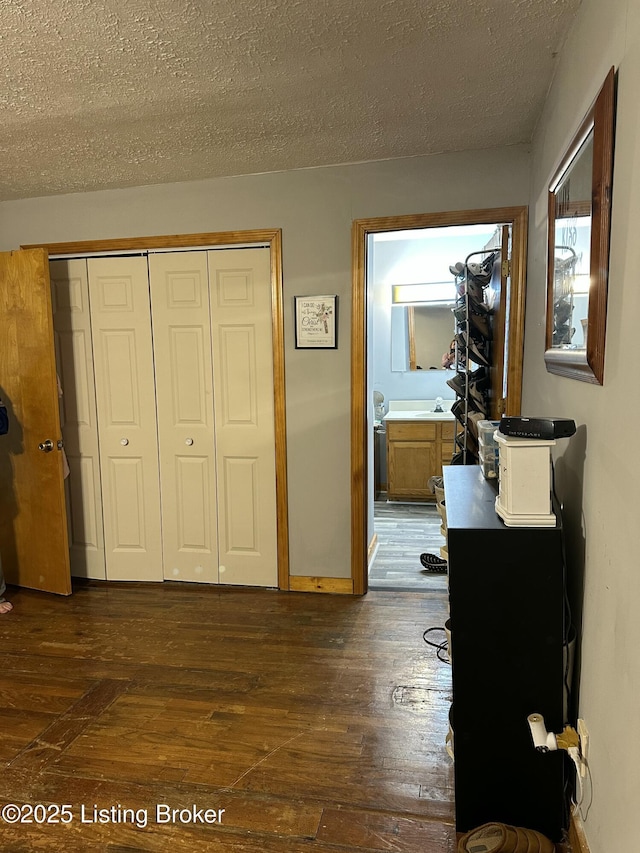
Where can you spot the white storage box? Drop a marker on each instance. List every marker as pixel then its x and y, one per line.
pixel 524 496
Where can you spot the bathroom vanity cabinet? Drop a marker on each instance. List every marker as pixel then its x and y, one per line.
pixel 506 602
pixel 416 451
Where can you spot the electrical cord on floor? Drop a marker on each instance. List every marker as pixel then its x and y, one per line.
pixel 442 648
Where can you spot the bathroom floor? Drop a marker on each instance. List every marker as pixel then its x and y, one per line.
pixel 404 531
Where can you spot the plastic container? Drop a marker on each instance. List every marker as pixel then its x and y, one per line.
pixel 490 462
pixel 488 448
pixel 486 430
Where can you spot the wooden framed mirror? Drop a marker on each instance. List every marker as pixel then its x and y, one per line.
pixel 578 246
pixel 430 331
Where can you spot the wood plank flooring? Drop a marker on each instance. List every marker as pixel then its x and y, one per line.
pixel 316 722
pixel 404 531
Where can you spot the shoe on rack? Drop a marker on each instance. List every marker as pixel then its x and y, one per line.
pixel 502 838
pixel 473 288
pixel 479 377
pixel 477 380
pixel 460 312
pixel 463 312
pixel 565 265
pixel 472 422
pixel 469 441
pixel 477 399
pixel 458 383
pixel 486 266
pixel 477 351
pixel 473 348
pixel 459 410
pixel 479 321
pixel 479 274
pixel 562 335
pixel 458 270
pixel 562 311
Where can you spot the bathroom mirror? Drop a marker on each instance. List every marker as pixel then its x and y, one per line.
pixel 578 246
pixel 420 335
pixel 430 331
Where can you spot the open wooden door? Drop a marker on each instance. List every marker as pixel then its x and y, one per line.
pixel 33 524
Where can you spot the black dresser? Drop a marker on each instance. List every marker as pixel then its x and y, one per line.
pixel 506 594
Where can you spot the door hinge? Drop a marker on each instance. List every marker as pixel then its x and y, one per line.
pixel 506 268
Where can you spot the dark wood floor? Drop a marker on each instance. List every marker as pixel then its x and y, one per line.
pixel 316 722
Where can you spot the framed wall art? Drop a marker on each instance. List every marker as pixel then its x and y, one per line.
pixel 316 322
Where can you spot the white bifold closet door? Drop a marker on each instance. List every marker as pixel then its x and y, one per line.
pixel 240 293
pixel 176 435
pixel 127 429
pixel 184 393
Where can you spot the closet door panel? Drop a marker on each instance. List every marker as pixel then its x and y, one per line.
pixel 125 393
pixel 195 513
pixel 238 404
pixel 182 346
pixel 240 290
pixel 74 356
pixel 240 505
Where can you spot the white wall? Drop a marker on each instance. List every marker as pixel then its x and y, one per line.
pixel 598 470
pixel 315 209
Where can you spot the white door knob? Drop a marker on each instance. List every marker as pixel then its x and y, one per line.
pixel 188 441
pixel 124 441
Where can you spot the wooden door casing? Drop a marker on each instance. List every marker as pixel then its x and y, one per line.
pixel 360 412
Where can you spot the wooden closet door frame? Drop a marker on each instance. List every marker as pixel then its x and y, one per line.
pixel 361 228
pixel 273 239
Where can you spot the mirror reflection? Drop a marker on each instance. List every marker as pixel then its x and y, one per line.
pixel 579 218
pixel 430 329
pixel 571 251
pixel 420 336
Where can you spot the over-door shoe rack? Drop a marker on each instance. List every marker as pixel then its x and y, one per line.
pixel 472 352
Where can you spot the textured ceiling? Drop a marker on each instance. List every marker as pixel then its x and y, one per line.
pixel 112 93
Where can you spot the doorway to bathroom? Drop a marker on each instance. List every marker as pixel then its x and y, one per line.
pixel 403 327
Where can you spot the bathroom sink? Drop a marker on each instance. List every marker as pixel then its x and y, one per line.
pixel 422 410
